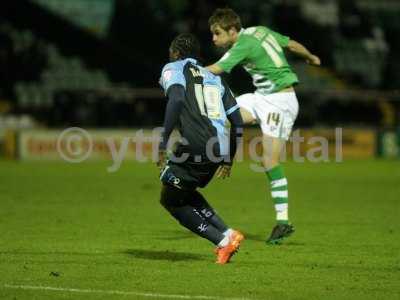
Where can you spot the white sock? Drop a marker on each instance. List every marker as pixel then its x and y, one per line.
pixel 281 212
pixel 228 232
pixel 224 242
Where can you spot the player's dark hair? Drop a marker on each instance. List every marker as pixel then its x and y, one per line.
pixel 186 45
pixel 226 18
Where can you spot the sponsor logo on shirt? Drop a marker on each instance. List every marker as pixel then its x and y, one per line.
pixel 167 75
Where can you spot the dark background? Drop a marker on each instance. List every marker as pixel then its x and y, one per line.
pixel 56 73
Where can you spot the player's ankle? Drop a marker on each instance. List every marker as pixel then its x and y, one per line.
pixel 282 222
pixel 228 232
pixel 224 242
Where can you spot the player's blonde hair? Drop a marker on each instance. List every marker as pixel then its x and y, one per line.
pixel 226 18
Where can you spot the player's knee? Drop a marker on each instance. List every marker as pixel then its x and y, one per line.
pixel 171 198
pixel 271 165
pixel 165 198
pixel 164 202
pixel 247 117
pixel 270 162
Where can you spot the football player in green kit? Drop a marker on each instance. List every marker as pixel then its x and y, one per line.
pixel 273 105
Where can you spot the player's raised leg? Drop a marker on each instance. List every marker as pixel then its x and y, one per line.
pixel 247 117
pixel 246 104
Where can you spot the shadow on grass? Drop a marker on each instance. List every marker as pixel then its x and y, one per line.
pixel 176 235
pixel 254 237
pixel 163 255
pixel 55 253
pixel 263 239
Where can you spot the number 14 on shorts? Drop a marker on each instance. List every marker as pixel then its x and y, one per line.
pixel 273 118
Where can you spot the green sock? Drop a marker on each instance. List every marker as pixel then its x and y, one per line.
pixel 279 193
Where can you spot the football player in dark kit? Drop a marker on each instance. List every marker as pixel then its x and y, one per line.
pixel 199 105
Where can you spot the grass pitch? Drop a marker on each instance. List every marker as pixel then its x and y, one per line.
pixel 79 232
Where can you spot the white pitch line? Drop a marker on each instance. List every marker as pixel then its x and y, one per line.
pixel 110 292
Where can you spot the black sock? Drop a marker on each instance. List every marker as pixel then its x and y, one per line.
pixel 190 218
pixel 176 201
pixel 200 203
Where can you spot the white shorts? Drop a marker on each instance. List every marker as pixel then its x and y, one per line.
pixel 276 113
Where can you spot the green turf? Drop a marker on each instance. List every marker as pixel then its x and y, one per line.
pixel 102 231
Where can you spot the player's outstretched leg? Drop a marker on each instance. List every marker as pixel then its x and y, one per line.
pixel 208 212
pixel 223 253
pixel 279 188
pixel 175 201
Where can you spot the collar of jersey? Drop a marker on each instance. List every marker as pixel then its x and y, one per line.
pixel 192 60
pixel 240 34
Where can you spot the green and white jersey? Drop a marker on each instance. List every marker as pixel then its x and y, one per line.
pixel 260 51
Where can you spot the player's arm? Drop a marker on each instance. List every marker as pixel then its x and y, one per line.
pixel 232 111
pixel 215 69
pixel 173 83
pixel 233 57
pixel 235 118
pixel 300 50
pixel 296 48
pixel 176 98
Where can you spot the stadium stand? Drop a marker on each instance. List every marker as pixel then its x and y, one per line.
pixel 70 75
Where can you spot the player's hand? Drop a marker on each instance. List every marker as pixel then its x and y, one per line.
pixel 224 171
pixel 313 60
pixel 162 159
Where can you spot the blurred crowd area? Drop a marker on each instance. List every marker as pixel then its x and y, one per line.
pixel 55 73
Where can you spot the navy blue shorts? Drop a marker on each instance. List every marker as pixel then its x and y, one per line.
pixel 188 175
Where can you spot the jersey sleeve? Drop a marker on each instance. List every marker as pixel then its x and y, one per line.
pixel 170 75
pixel 236 121
pixel 229 101
pixel 282 40
pixel 234 56
pixel 176 98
